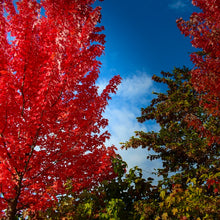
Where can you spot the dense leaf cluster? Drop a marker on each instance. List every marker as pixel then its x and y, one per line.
pixel 203 30
pixel 51 124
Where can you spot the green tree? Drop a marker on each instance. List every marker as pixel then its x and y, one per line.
pixel 190 173
pixel 112 199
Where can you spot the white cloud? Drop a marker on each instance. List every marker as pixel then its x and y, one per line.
pixel 177 4
pixel 134 92
pixel 122 121
pixel 136 86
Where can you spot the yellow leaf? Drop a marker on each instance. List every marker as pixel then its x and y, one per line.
pixel 174 211
pixel 162 194
pixel 164 216
pixel 157 218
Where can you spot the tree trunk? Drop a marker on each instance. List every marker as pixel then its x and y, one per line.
pixel 12 209
pixel 12 203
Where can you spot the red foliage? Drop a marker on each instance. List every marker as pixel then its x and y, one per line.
pixel 50 109
pixel 204 31
pixel 215 183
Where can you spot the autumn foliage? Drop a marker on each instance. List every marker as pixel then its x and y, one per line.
pixel 53 161
pixel 50 109
pixel 203 28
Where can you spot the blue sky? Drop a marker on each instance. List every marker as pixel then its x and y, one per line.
pixel 142 40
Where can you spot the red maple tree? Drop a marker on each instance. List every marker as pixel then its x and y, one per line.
pixel 204 31
pixel 50 109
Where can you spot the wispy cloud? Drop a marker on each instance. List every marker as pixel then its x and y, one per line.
pixel 134 92
pixel 177 4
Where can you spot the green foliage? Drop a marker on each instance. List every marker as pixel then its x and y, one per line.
pixel 180 146
pixel 112 199
pixel 190 159
pixel 115 209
